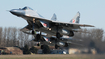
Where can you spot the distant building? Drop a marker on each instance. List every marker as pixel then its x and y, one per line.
pixel 74 51
pixel 93 51
pixel 81 51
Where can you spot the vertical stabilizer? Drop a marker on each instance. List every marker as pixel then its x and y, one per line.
pixel 54 17
pixel 76 18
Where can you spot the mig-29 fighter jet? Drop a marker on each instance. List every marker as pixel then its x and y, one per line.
pixel 50 26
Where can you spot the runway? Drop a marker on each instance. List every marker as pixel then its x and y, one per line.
pixel 53 56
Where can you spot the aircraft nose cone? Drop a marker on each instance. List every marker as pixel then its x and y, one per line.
pixel 14 12
pixel 17 12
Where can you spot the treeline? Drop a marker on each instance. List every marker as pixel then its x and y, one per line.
pixel 92 38
pixel 12 36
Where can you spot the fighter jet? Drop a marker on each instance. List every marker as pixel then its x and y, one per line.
pixel 36 22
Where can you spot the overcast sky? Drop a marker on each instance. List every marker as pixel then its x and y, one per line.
pixel 91 11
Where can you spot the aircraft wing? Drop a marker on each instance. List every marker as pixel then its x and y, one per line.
pixel 64 24
pixel 73 24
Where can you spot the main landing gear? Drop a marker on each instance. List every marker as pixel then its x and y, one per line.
pixel 38 36
pixel 33 25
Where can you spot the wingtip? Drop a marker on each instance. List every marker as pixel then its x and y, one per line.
pixel 93 26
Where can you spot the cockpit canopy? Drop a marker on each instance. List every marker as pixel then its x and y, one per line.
pixel 27 8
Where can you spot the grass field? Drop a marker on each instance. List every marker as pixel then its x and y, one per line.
pixel 53 56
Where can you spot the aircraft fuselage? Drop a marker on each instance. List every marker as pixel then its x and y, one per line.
pixel 40 25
